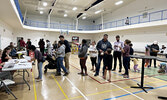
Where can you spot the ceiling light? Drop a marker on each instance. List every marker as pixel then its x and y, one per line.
pixel 45 4
pixel 65 15
pixel 119 2
pixel 84 17
pixel 41 8
pixel 75 8
pixel 98 11
pixel 41 12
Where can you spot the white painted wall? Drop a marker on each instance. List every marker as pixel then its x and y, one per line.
pixel 35 36
pixel 134 9
pixel 6 33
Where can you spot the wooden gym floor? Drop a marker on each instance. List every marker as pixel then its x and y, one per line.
pixel 76 87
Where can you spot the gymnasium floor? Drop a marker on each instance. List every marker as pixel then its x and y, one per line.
pixel 76 87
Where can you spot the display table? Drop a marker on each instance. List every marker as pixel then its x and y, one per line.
pixel 18 64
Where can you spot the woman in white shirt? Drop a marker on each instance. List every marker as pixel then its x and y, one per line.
pixel 93 55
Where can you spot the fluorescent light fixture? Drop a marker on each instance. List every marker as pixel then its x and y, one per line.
pixel 41 12
pixel 84 17
pixel 65 15
pixel 45 4
pixel 98 11
pixel 119 2
pixel 75 8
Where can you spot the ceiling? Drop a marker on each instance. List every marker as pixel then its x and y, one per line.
pixel 65 6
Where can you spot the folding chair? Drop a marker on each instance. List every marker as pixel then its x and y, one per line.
pixel 5 83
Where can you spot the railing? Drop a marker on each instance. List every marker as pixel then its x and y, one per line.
pixel 150 17
pixel 18 9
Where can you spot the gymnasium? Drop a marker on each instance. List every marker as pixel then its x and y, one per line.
pixel 83 49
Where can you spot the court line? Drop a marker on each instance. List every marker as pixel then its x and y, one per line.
pixel 122 89
pixel 77 89
pixel 35 93
pixel 117 89
pixel 60 87
pixel 135 92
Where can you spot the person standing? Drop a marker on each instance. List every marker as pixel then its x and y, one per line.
pixel 22 44
pixel 55 45
pixel 102 46
pixel 82 54
pixel 117 53
pixel 49 47
pixel 41 44
pixel 39 58
pixel 154 49
pixel 67 51
pixel 126 59
pixel 60 56
pixel 93 55
pixel 28 45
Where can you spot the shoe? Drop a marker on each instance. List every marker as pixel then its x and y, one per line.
pixel 58 74
pixel 113 70
pixel 119 71
pixel 125 76
pixel 80 73
pixel 96 75
pixel 65 74
pixel 38 80
pixel 155 66
pixel 84 74
pixel 109 80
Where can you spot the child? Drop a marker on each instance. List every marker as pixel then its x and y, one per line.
pixel 126 59
pixel 108 64
pixel 93 55
pixel 147 53
pixel 135 64
pixel 82 54
pixel 131 53
pixel 60 57
pixel 162 68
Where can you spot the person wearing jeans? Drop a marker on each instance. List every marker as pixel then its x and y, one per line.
pixel 39 57
pixel 126 59
pixel 67 52
pixel 102 46
pixel 82 54
pixel 60 57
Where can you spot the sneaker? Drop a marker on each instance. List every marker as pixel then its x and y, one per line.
pixel 96 75
pixel 119 71
pixel 125 76
pixel 84 74
pixel 80 73
pixel 58 74
pixel 109 80
pixel 65 74
pixel 38 80
pixel 113 70
pixel 155 66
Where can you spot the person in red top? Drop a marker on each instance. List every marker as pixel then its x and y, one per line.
pixel 22 44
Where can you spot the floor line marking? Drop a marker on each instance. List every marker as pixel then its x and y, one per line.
pixel 135 92
pixel 35 93
pixel 60 87
pixel 77 89
pixel 117 89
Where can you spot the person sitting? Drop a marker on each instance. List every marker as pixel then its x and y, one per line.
pixel 13 51
pixel 162 68
pixel 6 74
pixel 5 55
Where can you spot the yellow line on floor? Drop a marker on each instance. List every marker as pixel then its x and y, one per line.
pixel 109 91
pixel 35 93
pixel 60 87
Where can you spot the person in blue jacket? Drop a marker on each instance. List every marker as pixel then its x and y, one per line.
pixel 102 47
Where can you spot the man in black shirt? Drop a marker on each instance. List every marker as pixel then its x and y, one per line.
pixel 154 49
pixel 67 51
